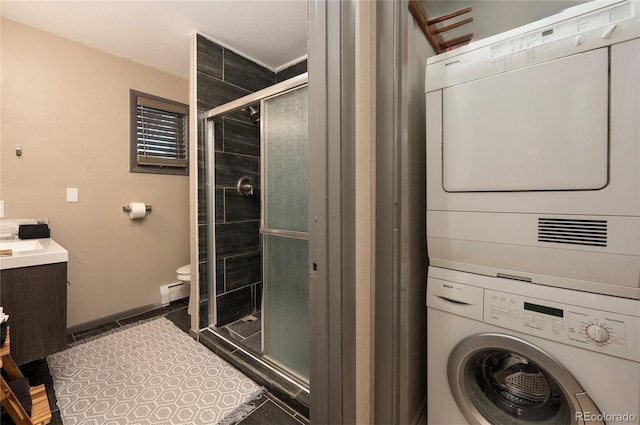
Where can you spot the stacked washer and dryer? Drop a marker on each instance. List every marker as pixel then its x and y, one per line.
pixel 533 223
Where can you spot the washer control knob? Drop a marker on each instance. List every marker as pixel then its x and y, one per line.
pixel 611 31
pixel 578 40
pixel 597 333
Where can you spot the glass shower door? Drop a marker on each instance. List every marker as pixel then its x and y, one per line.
pixel 285 230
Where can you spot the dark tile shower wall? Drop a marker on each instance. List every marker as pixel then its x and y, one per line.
pixel 292 71
pixel 223 76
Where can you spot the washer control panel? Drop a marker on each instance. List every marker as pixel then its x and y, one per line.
pixel 602 331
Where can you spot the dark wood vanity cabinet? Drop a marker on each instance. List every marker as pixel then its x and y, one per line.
pixel 35 298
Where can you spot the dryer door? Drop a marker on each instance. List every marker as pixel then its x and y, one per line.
pixel 500 379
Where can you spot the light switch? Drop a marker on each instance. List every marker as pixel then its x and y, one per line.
pixel 1 209
pixel 72 194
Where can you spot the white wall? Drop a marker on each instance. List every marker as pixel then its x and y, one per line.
pixel 68 106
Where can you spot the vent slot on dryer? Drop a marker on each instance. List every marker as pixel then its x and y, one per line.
pixel 573 231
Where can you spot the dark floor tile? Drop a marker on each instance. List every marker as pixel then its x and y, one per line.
pixel 306 421
pixel 70 339
pixel 254 343
pixel 304 400
pixel 56 419
pixel 80 336
pixel 33 365
pixel 227 333
pixel 144 316
pixel 38 373
pixel 178 304
pixel 181 318
pixel 269 413
pixel 214 343
pixel 162 311
pixel 304 397
pixel 283 389
pixel 281 404
pixel 286 392
pixel 246 327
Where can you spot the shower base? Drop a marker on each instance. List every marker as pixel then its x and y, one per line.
pixel 247 331
pixel 239 343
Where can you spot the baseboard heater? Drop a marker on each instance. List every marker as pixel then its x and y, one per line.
pixel 173 291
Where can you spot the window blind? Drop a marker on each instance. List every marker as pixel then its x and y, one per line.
pixel 161 133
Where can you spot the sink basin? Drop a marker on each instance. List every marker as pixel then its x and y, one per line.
pixel 19 247
pixel 31 252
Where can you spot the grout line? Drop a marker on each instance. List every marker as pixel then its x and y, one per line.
pixel 293 415
pixel 235 335
pixel 255 409
pixel 304 420
pixel 159 312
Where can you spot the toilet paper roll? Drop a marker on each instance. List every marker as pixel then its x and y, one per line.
pixel 137 210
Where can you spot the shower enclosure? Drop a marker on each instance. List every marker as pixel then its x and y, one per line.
pixel 275 327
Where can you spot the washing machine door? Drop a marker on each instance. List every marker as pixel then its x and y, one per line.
pixel 501 379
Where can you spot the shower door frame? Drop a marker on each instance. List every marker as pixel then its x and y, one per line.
pixel 291 84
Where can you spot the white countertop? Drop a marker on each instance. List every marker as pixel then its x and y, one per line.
pixel 31 252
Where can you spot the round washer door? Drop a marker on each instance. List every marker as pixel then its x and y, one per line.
pixel 501 379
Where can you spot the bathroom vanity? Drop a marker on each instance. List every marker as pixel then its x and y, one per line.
pixel 33 292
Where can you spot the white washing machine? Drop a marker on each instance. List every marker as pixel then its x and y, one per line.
pixel 502 351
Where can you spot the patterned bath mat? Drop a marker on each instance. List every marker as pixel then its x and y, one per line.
pixel 150 373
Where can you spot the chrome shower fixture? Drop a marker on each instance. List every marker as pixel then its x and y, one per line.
pixel 253 112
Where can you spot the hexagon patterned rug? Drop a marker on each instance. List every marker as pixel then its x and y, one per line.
pixel 149 373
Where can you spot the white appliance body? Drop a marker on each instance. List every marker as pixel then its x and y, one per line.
pixel 533 152
pixel 587 345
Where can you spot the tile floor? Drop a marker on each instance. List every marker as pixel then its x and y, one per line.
pixel 269 409
pixel 246 333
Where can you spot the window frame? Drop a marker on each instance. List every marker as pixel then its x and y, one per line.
pixel 134 167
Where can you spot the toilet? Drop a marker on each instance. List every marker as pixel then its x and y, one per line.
pixel 184 275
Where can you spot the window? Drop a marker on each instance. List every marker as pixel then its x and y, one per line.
pixel 158 135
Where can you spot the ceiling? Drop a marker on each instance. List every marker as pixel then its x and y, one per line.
pixel 157 33
pixel 271 32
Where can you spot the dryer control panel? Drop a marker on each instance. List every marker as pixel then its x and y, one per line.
pixel 606 332
pixel 584 27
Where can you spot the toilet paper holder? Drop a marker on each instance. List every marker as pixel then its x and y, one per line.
pixel 127 209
